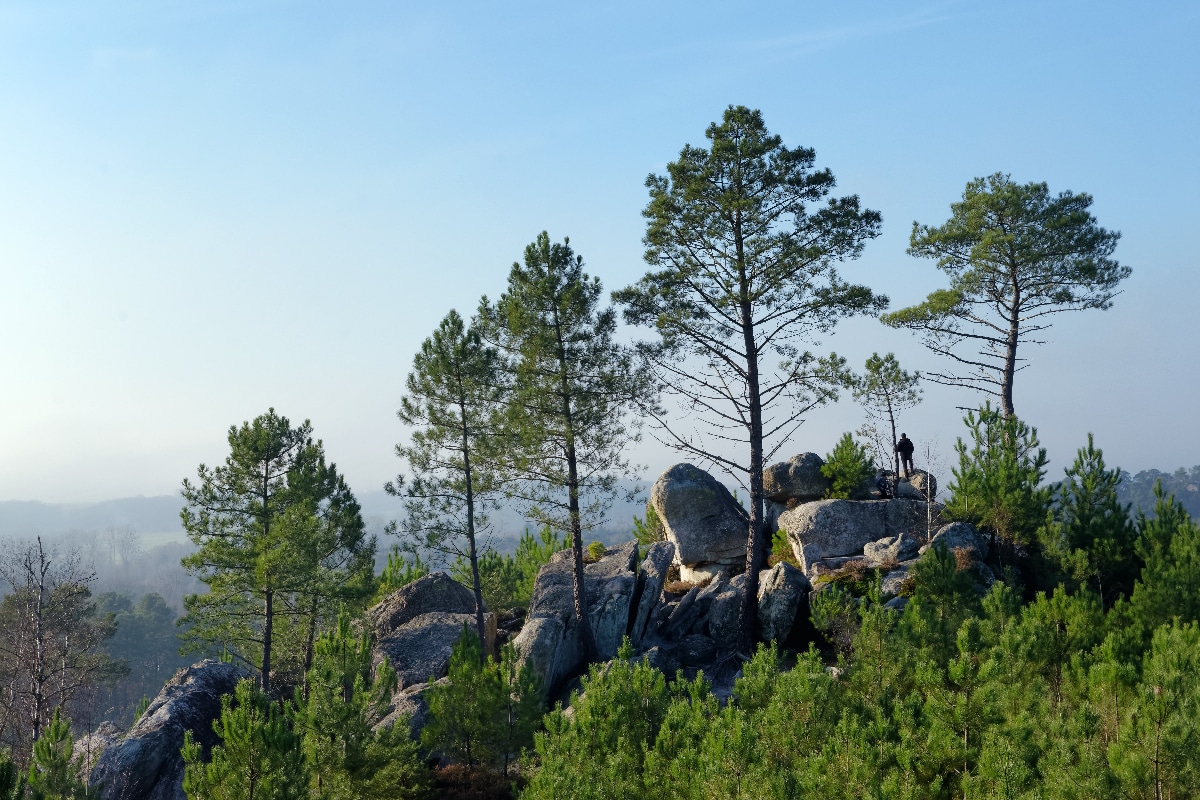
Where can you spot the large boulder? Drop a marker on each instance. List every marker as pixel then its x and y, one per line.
pixel 434 592
pixel 961 536
pixel 798 478
pixel 146 764
pixel 610 584
pixel 651 577
pixel 925 483
pixel 836 528
pixel 782 594
pixel 87 748
pixel 893 549
pixel 707 526
pixel 550 642
pixel 420 649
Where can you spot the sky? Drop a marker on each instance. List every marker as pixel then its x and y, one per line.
pixel 210 209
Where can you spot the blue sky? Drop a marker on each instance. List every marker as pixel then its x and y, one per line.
pixel 209 209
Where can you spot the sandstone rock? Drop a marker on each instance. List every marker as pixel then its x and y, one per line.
pixel 434 592
pixel 651 576
pixel 798 478
pixel 551 650
pixel 900 547
pixel 782 593
pixel 609 587
pixel 833 528
pixel 87 749
pixel 925 484
pixel 146 764
pixel 682 616
pixel 696 651
pixel 894 580
pixel 550 640
pixel 420 649
pixel 700 516
pixel 771 512
pixel 723 613
pixel 410 707
pixel 906 491
pixel 961 535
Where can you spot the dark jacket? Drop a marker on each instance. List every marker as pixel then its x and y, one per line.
pixel 905 447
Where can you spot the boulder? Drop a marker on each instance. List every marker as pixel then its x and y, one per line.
pixel 906 491
pixel 410 707
pixel 696 651
pixel 894 580
pixel 771 512
pixel 610 585
pixel 900 547
pixel 798 478
pixel 960 535
pixel 434 592
pixel 550 640
pixel 651 577
pixel 87 749
pixel 835 528
pixel 925 484
pixel 723 613
pixel 782 593
pixel 146 763
pixel 551 650
pixel 707 526
pixel 420 649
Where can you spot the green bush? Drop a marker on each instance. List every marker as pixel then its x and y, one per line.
pixel 849 467
pixel 596 551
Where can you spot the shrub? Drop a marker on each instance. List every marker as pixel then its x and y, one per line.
pixel 849 467
pixel 596 551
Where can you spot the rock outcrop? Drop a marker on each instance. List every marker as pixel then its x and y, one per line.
pixel 960 536
pixel 420 649
pixel 550 640
pixel 701 518
pixel 782 593
pixel 88 749
pixel 797 479
pixel 435 592
pixel 840 528
pixel 146 764
pixel 893 549
pixel 651 577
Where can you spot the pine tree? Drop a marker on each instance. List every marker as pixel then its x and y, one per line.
pixel 452 398
pixel 573 390
pixel 997 484
pixel 1090 534
pixel 346 757
pixel 885 390
pixel 259 757
pixel 52 774
pixel 744 278
pixel 280 543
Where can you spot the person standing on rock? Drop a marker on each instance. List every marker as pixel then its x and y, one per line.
pixel 905 448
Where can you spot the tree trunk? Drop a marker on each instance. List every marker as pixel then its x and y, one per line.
pixel 268 630
pixel 756 550
pixel 587 638
pixel 472 553
pixel 1010 354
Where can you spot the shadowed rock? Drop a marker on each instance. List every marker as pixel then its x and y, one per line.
pixel 146 764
